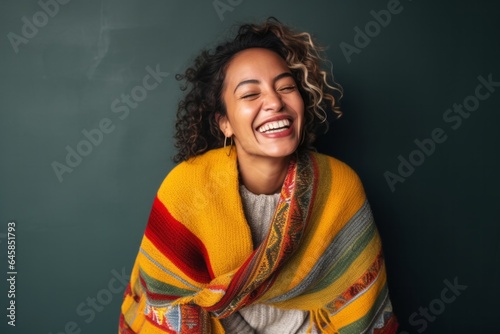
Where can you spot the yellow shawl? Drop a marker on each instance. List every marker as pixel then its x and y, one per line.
pixel 197 263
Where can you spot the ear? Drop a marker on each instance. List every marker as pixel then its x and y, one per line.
pixel 224 125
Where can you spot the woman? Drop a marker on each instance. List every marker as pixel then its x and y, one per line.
pixel 253 232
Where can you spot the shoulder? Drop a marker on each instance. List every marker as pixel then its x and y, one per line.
pixel 209 163
pixel 337 177
pixel 197 176
pixel 338 168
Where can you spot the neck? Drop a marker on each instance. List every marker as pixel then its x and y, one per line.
pixel 263 175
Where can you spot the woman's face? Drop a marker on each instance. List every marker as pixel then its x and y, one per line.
pixel 265 111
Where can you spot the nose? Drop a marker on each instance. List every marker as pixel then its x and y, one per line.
pixel 273 101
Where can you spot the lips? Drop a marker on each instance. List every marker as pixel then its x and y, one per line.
pixel 275 126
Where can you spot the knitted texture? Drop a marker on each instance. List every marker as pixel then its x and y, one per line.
pixel 262 318
pixel 197 261
pixel 259 211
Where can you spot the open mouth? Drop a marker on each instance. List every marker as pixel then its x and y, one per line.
pixel 275 126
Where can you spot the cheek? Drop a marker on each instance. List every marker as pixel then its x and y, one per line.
pixel 301 116
pixel 245 116
pixel 299 107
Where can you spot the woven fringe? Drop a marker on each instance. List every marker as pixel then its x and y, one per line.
pixel 323 323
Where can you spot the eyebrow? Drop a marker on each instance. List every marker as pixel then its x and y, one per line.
pixel 255 81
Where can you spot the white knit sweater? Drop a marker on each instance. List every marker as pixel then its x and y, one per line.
pixel 260 318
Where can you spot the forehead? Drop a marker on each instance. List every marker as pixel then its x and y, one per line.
pixel 254 63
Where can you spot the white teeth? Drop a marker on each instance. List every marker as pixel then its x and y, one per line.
pixel 274 126
pixel 276 130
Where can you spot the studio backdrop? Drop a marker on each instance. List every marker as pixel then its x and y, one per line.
pixel 88 99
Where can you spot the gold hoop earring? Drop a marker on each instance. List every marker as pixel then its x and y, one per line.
pixel 230 145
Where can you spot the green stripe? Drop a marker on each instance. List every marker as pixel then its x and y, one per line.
pixel 341 266
pixel 158 287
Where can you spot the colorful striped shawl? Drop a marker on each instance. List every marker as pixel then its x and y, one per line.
pixel 197 263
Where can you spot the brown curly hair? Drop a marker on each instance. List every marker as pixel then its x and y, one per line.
pixel 197 130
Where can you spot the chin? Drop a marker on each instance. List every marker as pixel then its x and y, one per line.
pixel 281 152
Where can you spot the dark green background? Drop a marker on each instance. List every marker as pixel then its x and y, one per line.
pixel 441 223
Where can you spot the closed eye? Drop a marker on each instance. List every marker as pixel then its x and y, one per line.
pixel 287 88
pixel 250 96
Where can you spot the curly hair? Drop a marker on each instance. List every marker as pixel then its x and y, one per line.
pixel 197 129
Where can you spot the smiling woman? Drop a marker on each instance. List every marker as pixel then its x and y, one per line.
pixel 264 115
pixel 268 236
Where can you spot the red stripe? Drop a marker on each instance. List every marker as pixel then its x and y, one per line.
pixel 178 244
pixel 390 327
pixel 157 296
